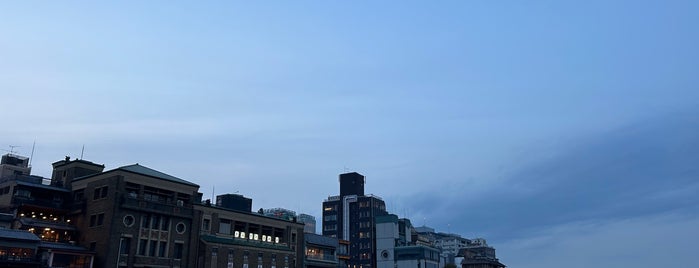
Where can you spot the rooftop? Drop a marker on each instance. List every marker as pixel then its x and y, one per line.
pixel 17 235
pixel 142 170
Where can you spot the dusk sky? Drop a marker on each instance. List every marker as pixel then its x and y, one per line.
pixel 565 133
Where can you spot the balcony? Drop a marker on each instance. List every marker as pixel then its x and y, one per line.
pixel 135 202
pixel 323 257
pixel 24 200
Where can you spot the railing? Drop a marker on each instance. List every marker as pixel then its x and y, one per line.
pixel 8 257
pixel 22 200
pixel 322 257
pixel 174 208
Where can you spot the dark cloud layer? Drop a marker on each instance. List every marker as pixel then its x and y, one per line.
pixel 641 169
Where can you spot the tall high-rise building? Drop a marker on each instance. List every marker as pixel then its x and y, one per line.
pixel 309 223
pixel 351 216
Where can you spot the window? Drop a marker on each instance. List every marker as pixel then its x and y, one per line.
pixel 214 252
pixel 329 227
pixel 142 246
pixel 330 218
pixel 162 248
pixel 100 192
pixel 96 219
pixel 152 248
pixel 165 223
pixel 79 195
pixel 259 260
pixel 180 228
pixel 177 254
pixel 206 224
pixel 129 220
pixel 231 257
pixel 155 222
pixel 224 226
pixel 245 259
pixel 125 245
pixel 145 221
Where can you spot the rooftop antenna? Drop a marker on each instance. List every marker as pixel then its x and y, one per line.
pixel 12 149
pixel 82 152
pixel 32 155
pixel 213 190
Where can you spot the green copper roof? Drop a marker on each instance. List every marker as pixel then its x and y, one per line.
pixel 136 168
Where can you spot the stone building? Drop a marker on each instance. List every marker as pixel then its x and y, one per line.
pixel 134 216
pixel 233 238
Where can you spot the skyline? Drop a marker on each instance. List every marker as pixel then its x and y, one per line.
pixel 559 130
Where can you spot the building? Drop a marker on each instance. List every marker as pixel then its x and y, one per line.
pixel 134 216
pixel 281 213
pixel 479 255
pixel 43 207
pixel 228 237
pixel 309 223
pixel 321 251
pixel 18 248
pixel 234 202
pixel 351 216
pixel 396 249
pixel 12 164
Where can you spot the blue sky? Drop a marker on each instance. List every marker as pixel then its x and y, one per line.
pixel 563 132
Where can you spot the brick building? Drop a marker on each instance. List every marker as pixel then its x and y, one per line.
pixel 134 216
pixel 230 237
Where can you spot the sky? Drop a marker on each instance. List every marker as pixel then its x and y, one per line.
pixel 562 132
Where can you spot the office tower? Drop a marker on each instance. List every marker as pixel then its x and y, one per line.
pixel 351 216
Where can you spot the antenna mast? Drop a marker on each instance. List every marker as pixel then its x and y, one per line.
pixel 82 152
pixel 32 155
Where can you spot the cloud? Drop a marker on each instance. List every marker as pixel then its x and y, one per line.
pixel 665 240
pixel 592 188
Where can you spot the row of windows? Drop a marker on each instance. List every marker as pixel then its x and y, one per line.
pixel 249 231
pixel 153 248
pixel 245 264
pixel 155 221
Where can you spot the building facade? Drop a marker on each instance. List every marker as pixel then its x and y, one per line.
pixel 321 251
pixel 351 216
pixel 42 207
pixel 309 223
pixel 395 248
pixel 232 238
pixel 134 216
